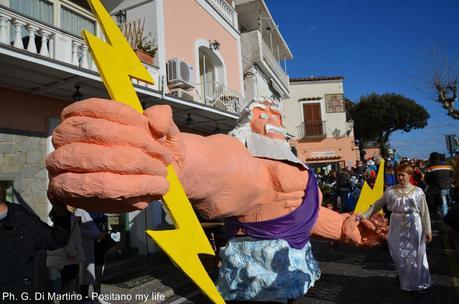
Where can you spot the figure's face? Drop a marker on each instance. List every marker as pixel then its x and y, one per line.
pixel 267 121
pixel 403 178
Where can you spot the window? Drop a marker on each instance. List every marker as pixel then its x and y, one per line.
pixel 206 74
pixel 74 23
pixel 313 124
pixel 41 10
pixel 211 73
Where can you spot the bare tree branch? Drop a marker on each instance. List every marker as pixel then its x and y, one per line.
pixel 443 80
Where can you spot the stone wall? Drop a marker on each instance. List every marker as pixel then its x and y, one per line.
pixel 22 160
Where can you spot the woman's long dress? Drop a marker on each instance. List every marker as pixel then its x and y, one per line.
pixel 409 223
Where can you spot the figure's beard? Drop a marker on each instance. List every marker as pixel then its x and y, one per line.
pixel 264 146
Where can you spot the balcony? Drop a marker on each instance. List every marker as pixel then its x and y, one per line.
pixel 45 41
pixel 225 10
pixel 28 34
pixel 312 130
pixel 256 50
pixel 272 62
pixel 218 96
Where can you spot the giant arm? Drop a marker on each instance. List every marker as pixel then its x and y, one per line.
pixel 111 158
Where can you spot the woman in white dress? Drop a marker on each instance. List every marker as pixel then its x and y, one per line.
pixel 409 230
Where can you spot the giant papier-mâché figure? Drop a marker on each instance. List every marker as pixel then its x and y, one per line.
pixel 112 158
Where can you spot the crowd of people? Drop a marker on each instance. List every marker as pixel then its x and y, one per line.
pixel 341 189
pixel 76 244
pixel 73 248
pixel 412 188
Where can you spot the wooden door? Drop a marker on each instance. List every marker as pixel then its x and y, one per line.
pixel 313 125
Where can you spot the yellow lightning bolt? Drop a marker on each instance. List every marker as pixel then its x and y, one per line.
pixel 116 63
pixel 115 60
pixel 368 196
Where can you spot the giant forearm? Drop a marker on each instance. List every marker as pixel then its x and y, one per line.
pixel 221 177
pixel 348 229
pixel 329 224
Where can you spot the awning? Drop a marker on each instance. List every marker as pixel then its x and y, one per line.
pixel 322 158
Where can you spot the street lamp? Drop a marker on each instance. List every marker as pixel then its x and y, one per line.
pixel 336 133
pixel 214 45
pixel 121 16
pixel 77 96
pixel 350 125
pixel 189 121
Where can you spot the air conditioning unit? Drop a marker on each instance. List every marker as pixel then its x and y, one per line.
pixel 181 93
pixel 179 74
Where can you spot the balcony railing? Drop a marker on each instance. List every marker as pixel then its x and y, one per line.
pixel 225 10
pixel 30 35
pixel 272 62
pixel 311 129
pixel 218 96
pixel 43 40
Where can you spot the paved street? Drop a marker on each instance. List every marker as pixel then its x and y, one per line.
pixel 356 275
pixel 349 275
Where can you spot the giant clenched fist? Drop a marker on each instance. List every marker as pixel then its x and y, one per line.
pixel 111 158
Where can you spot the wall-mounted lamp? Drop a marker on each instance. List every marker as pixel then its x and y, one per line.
pixel 121 16
pixel 336 133
pixel 77 96
pixel 214 45
pixel 350 125
pixel 189 121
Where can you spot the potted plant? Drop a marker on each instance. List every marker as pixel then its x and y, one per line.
pixel 143 45
pixel 145 48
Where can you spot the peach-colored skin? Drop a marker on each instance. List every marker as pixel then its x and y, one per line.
pixel 111 158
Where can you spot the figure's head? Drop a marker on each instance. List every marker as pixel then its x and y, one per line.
pixel 403 173
pixel 260 128
pixel 265 118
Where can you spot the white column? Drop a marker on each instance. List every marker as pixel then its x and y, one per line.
pixel 75 46
pixel 52 42
pixel 4 20
pixel 31 46
pixel 84 57
pixel 94 66
pixel 18 34
pixel 44 43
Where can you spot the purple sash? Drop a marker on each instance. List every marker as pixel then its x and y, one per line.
pixel 294 227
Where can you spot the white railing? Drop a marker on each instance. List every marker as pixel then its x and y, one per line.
pixel 225 10
pixel 52 42
pixel 272 62
pixel 218 96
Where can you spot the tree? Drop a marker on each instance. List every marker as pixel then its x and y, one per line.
pixel 376 117
pixel 444 81
pixel 439 73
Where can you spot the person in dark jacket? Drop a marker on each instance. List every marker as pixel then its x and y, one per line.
pixel 344 187
pixel 439 180
pixel 22 236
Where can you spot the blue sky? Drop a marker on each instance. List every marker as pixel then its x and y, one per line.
pixel 378 46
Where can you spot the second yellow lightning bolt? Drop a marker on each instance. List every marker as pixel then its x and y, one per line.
pixel 117 63
pixel 368 196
